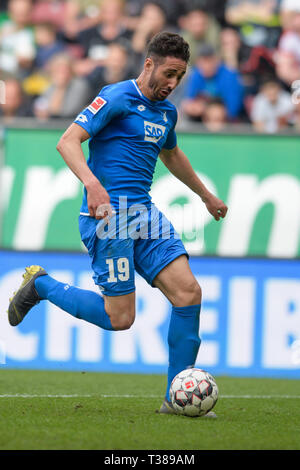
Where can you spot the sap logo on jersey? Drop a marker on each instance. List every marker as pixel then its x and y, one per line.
pixel 153 132
pixel 96 105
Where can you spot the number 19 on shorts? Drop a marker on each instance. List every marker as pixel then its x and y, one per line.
pixel 118 269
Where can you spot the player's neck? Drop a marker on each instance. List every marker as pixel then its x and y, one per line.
pixel 144 87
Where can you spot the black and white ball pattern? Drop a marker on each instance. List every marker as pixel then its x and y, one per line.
pixel 193 392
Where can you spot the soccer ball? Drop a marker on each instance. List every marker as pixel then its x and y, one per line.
pixel 193 392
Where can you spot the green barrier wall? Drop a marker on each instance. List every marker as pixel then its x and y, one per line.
pixel 257 176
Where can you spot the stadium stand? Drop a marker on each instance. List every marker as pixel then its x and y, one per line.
pixel 254 41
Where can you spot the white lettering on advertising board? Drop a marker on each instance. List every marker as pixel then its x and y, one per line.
pixel 268 342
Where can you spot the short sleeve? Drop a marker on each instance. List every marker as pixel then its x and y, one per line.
pixel 105 107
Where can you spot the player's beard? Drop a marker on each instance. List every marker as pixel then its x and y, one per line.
pixel 155 87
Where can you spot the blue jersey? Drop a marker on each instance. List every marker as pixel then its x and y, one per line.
pixel 127 132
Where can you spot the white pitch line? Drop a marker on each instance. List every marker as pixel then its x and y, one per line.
pixel 25 395
pixel 18 395
pixel 267 397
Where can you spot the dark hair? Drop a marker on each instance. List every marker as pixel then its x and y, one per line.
pixel 166 44
pixel 269 80
pixel 215 102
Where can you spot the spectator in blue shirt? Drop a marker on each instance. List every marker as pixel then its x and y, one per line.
pixel 210 78
pixel 47 44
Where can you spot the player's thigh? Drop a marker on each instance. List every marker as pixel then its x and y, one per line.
pixel 162 260
pixel 112 260
pixel 177 282
pixel 113 266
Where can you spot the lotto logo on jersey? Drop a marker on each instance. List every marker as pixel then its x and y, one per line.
pixel 81 118
pixel 96 105
pixel 153 132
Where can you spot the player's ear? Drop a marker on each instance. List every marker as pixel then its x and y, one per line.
pixel 149 64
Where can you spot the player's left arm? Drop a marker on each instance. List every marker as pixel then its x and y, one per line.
pixel 178 164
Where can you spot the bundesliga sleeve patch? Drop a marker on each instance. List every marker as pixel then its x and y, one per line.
pixel 97 104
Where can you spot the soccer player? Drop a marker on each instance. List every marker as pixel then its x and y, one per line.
pixel 130 124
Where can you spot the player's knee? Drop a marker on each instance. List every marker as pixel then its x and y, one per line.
pixel 197 293
pixel 189 294
pixel 122 321
pixel 121 311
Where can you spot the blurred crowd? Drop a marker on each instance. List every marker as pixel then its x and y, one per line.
pixel 56 55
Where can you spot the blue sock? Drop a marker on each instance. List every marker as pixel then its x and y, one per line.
pixel 84 304
pixel 183 340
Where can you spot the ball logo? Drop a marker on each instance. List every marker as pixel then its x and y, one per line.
pixel 189 384
pixel 153 132
pixel 96 105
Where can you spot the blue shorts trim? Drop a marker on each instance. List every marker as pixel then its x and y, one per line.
pixel 168 252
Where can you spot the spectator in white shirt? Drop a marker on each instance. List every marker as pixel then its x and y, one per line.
pixel 272 108
pixel 17 48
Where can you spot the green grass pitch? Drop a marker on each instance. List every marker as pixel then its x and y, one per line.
pixel 77 410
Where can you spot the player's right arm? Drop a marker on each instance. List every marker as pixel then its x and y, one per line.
pixel 69 147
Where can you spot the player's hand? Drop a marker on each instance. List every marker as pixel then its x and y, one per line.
pixel 98 201
pixel 215 206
